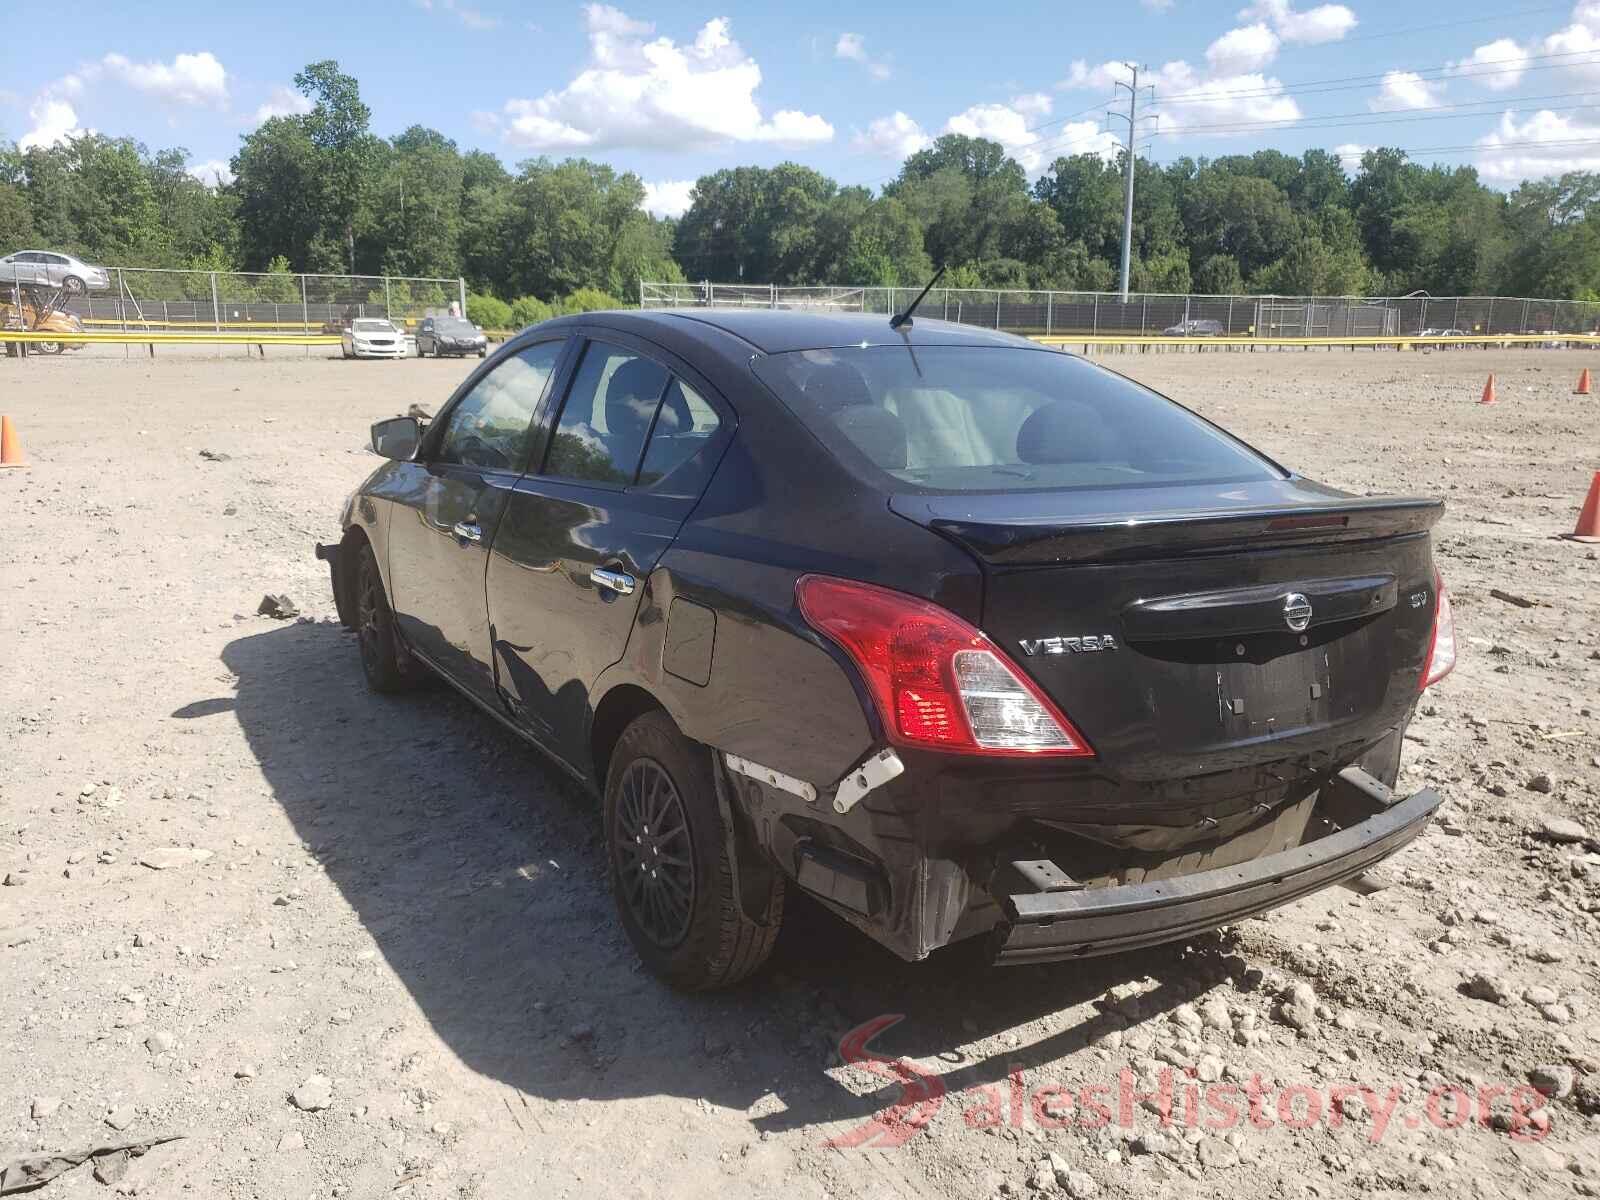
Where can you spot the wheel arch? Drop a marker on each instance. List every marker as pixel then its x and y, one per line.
pixel 618 708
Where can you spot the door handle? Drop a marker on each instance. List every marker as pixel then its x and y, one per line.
pixel 467 532
pixel 619 582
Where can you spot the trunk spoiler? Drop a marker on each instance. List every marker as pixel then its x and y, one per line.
pixel 1142 523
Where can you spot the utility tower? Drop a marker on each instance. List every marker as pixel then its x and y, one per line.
pixel 1132 118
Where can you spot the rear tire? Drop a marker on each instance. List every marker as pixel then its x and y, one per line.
pixel 421 353
pixel 384 661
pixel 674 883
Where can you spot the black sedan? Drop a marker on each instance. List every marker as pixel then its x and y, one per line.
pixel 959 635
pixel 457 336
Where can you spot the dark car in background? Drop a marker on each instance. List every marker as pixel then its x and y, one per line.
pixel 458 336
pixel 1199 327
pixel 959 635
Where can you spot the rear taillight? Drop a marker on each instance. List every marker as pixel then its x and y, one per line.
pixel 937 682
pixel 1441 658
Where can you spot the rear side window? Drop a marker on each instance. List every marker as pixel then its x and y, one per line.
pixel 489 426
pixel 600 437
pixel 966 418
pixel 684 424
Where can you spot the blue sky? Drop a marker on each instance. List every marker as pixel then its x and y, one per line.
pixel 671 91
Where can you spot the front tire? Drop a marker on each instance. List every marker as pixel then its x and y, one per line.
pixel 674 883
pixel 384 661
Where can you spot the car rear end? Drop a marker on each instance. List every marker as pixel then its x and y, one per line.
pixel 1182 696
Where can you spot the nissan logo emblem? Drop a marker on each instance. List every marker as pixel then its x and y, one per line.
pixel 1296 611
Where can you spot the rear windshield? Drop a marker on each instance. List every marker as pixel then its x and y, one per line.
pixel 373 327
pixel 985 419
pixel 455 326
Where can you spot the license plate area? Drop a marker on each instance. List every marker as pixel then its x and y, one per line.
pixel 1268 683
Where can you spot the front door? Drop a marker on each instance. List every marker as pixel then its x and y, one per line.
pixel 629 456
pixel 445 515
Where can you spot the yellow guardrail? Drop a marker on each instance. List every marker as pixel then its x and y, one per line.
pixel 169 339
pixel 1156 339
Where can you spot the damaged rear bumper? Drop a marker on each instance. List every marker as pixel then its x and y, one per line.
pixel 1040 926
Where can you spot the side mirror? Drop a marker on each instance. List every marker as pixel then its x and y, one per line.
pixel 397 438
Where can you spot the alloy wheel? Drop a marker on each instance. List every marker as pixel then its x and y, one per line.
pixel 654 855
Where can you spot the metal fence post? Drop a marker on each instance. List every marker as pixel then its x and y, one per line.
pixel 216 308
pixel 1488 321
pixel 1049 312
pixel 305 314
pixel 1095 328
pixel 461 285
pixel 388 306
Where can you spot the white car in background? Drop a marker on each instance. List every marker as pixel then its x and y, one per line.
pixel 373 337
pixel 45 268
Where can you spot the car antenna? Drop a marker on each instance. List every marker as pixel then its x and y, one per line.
pixel 904 318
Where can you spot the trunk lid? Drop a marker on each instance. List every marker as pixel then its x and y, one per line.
pixel 1194 631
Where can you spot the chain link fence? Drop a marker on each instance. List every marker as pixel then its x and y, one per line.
pixel 138 298
pixel 1105 313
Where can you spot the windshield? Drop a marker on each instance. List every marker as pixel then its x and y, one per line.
pixel 456 327
pixel 373 327
pixel 968 419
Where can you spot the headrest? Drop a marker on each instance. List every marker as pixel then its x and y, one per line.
pixel 837 385
pixel 876 432
pixel 1063 431
pixel 631 398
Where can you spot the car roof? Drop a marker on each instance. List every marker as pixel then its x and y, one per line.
pixel 777 331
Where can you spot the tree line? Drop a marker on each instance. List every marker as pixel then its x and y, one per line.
pixel 320 192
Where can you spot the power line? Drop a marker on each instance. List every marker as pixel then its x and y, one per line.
pixel 1498 17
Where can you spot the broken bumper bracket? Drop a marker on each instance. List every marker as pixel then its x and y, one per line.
pixel 1042 926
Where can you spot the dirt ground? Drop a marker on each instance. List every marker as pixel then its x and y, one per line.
pixel 379 956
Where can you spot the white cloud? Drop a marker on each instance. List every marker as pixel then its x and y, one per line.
pixel 1498 66
pixel 1350 156
pixel 283 102
pixel 1033 104
pixel 1009 124
pixel 896 136
pixel 1324 23
pixel 853 46
pixel 668 197
pixel 1248 48
pixel 657 94
pixel 1405 89
pixel 1191 99
pixel 214 172
pixel 1159 6
pixel 54 121
pixel 194 79
pixel 1540 146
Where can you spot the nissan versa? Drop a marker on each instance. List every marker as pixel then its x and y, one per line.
pixel 962 636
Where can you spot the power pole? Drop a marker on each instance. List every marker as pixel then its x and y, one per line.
pixel 1132 118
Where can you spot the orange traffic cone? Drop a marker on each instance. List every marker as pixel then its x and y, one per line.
pixel 10 445
pixel 1588 529
pixel 1488 392
pixel 1583 384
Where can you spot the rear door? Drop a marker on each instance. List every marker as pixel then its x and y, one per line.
pixel 447 510
pixel 628 457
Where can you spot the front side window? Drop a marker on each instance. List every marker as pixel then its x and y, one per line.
pixel 970 419
pixel 607 417
pixel 489 427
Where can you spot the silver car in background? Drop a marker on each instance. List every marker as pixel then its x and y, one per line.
pixel 46 268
